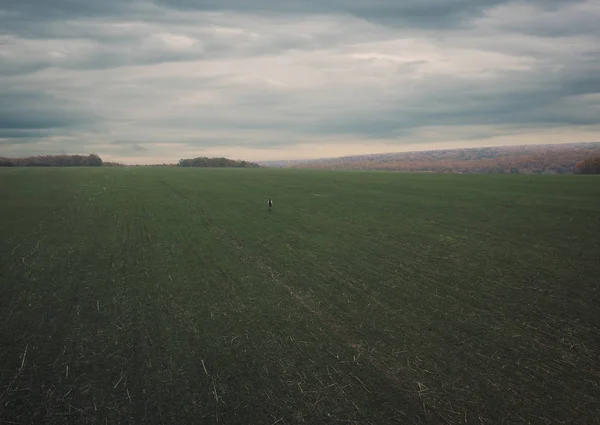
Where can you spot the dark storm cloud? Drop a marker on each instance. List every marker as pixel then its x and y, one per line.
pixel 27 110
pixel 63 9
pixel 27 136
pixel 109 43
pixel 411 13
pixel 421 12
pixel 24 16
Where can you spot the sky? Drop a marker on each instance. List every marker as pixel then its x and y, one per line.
pixel 140 81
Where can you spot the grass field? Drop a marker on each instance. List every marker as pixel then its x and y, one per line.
pixel 139 295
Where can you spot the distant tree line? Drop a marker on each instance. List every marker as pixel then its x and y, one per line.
pixel 95 161
pixel 112 164
pixel 215 162
pixel 91 160
pixel 588 166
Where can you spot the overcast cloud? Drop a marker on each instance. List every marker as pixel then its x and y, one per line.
pixel 153 81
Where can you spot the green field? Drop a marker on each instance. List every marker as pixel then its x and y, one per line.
pixel 168 295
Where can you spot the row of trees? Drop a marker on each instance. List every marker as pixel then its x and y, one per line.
pixel 113 164
pixel 94 160
pixel 215 162
pixel 91 160
pixel 588 166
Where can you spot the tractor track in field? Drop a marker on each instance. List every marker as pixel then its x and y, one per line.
pixel 334 328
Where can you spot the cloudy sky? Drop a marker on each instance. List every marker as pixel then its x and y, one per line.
pixel 144 81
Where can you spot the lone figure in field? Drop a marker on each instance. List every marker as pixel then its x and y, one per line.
pixel 270 204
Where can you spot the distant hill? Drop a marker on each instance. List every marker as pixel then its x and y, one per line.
pixel 528 159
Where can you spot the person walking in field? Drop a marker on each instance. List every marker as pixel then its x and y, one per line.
pixel 270 204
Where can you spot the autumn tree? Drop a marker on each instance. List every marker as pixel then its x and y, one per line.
pixel 588 166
